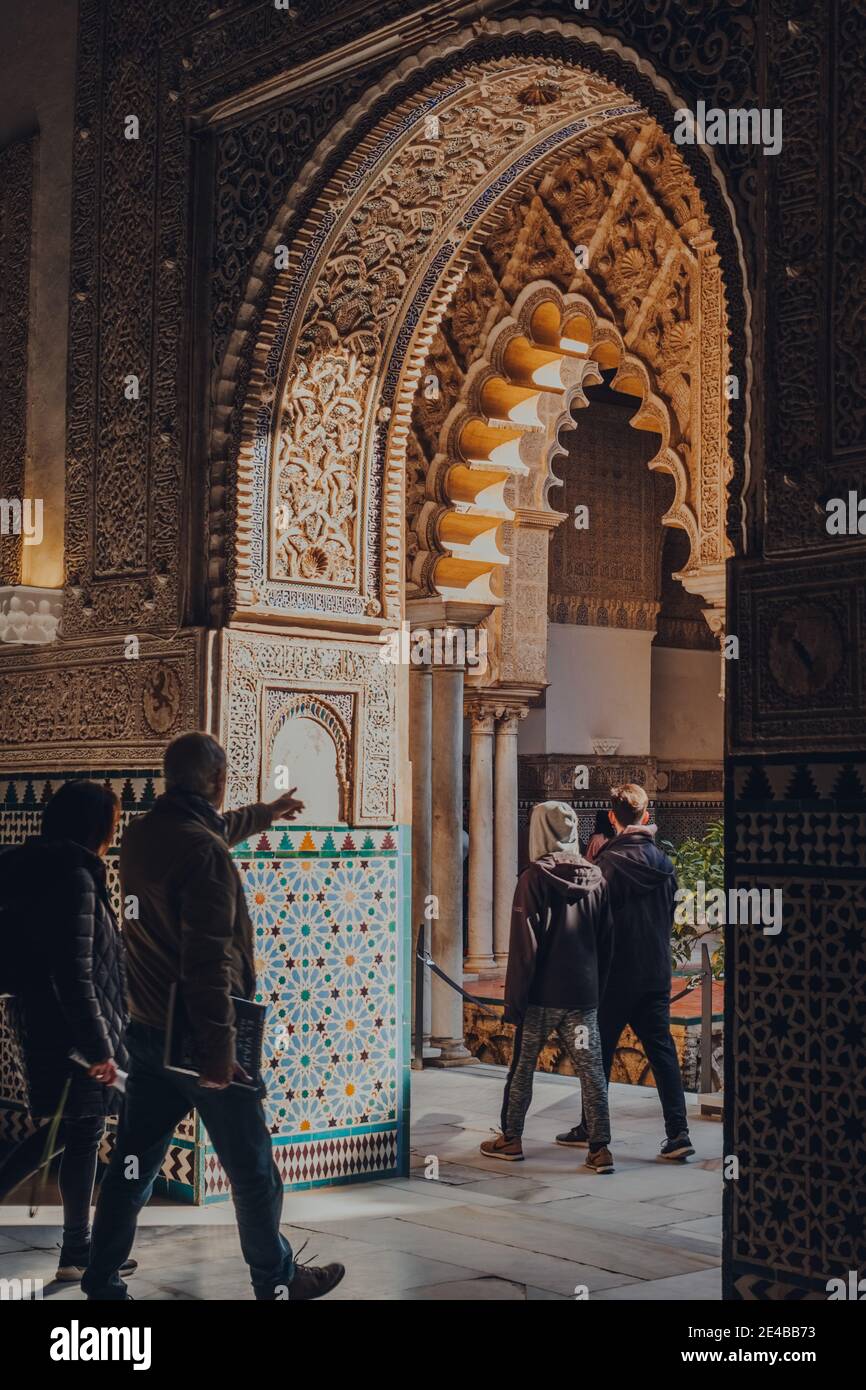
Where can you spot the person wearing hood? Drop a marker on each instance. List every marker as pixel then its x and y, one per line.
pixel 641 885
pixel 558 959
pixel 62 946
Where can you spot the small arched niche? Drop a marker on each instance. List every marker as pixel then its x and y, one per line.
pixel 309 749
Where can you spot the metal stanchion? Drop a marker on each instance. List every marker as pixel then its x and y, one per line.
pixel 424 961
pixel 418 1040
pixel 706 1022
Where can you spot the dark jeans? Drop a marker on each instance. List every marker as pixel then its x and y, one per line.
pixel 156 1102
pixel 78 1138
pixel 649 1014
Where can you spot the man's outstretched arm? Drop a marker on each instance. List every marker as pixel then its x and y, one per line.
pixel 249 820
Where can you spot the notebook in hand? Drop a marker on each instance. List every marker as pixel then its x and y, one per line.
pixel 179 1053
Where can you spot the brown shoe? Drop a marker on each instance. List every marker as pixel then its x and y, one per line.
pixel 314 1281
pixel 600 1162
pixel 511 1150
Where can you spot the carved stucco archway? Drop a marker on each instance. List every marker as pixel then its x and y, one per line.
pixel 352 316
pixel 487 484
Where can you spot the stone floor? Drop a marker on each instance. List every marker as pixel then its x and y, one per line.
pixel 481 1229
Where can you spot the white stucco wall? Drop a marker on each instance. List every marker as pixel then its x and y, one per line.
pixel 687 714
pixel 610 683
pixel 599 688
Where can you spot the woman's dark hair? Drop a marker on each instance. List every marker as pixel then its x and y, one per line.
pixel 603 825
pixel 81 811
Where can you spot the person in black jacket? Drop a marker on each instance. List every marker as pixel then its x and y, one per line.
pixel 602 831
pixel 641 885
pixel 70 995
pixel 558 958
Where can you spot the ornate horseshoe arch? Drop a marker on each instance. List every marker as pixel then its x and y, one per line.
pixel 319 478
pixel 499 442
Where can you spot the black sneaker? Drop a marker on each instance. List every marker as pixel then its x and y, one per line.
pixel 314 1281
pixel 678 1148
pixel 576 1138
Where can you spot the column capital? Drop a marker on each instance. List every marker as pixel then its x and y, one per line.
pixel 483 718
pixel 433 611
pixel 508 717
pixel 715 619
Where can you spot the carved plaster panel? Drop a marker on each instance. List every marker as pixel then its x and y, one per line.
pixel 800 677
pixel 16 198
pixel 520 624
pixel 319 512
pixel 266 677
pixel 79 706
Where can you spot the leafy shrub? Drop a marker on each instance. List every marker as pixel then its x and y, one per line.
pixel 696 861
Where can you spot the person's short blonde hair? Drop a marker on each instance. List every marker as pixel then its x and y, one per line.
pixel 628 803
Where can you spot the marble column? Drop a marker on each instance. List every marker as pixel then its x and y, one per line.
pixel 505 830
pixel 480 956
pixel 420 744
pixel 447 862
pixel 715 618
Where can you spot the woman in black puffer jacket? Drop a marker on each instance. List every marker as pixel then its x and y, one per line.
pixel 70 994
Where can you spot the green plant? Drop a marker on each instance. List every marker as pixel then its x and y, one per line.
pixel 697 861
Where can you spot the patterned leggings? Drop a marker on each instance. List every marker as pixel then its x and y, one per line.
pixel 578 1033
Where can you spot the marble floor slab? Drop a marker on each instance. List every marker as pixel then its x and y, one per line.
pixel 459 1226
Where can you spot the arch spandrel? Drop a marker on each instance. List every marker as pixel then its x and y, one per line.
pixel 327 430
pixel 389 240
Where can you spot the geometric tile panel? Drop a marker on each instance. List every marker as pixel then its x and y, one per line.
pixel 326 941
pixel 319 1162
pixel 796 1036
pixel 14 1083
pixel 327 911
pixel 15 1125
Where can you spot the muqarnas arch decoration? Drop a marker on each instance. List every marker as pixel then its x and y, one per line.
pixel 370 274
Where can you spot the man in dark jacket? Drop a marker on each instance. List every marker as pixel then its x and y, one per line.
pixel 190 927
pixel 558 954
pixel 641 886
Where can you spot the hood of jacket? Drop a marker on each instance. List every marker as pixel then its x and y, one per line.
pixel 569 875
pixel 635 855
